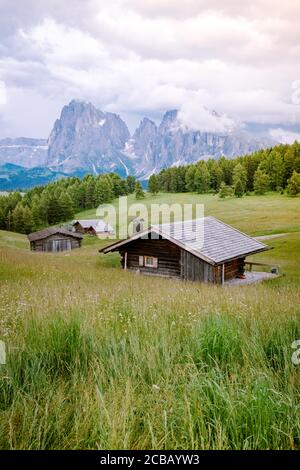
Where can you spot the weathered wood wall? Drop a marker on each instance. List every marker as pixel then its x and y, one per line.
pixel 194 269
pixel 167 253
pixel 231 270
pixel 40 245
pixel 174 261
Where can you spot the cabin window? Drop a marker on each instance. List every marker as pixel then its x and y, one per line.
pixel 150 262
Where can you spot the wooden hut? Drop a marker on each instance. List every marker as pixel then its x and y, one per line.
pixel 54 239
pixel 94 227
pixel 175 250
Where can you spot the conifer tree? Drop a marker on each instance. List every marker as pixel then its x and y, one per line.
pixel 225 191
pixel 239 180
pixel 202 179
pixel 190 178
pixel 139 193
pixel 18 222
pixel 261 182
pixel 293 187
pixel 238 188
pixel 153 184
pixel 66 207
pixel 28 220
pixel 130 183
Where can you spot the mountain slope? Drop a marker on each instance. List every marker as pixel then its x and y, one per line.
pixel 85 138
pixel 23 151
pixel 173 143
pixel 17 177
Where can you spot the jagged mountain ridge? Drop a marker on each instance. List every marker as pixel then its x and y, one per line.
pixel 85 139
pixel 172 143
pixel 24 151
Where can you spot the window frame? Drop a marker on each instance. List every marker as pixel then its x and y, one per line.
pixel 153 264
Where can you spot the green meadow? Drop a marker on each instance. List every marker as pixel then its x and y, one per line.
pixel 99 358
pixel 256 215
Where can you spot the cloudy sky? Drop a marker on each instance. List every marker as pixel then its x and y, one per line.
pixel 142 57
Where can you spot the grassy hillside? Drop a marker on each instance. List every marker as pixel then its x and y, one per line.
pixel 103 359
pixel 256 215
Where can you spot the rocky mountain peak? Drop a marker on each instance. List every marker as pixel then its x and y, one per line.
pixel 86 139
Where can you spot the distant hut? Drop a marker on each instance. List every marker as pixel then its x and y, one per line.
pixel 54 239
pixel 94 227
pixel 171 250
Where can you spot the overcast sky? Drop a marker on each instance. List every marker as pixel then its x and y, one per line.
pixel 142 57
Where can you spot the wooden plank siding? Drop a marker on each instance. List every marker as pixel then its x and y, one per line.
pixel 231 270
pixel 167 253
pixel 194 269
pixel 41 245
pixel 174 261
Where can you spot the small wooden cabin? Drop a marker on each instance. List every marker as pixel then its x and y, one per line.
pixel 54 239
pixel 175 250
pixel 95 227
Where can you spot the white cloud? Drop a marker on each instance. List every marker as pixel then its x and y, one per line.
pixel 60 44
pixel 128 56
pixel 284 137
pixel 3 96
pixel 195 116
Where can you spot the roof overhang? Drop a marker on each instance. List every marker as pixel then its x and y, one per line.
pixel 117 245
pixel 155 229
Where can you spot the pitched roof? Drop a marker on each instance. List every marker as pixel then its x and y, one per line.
pixel 97 224
pixel 47 232
pixel 215 244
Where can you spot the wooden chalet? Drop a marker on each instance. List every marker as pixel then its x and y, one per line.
pixel 173 250
pixel 54 239
pixel 94 227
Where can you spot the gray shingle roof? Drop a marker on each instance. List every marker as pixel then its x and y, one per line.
pixel 219 242
pixel 207 238
pixel 47 232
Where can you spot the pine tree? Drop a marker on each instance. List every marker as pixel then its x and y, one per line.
pixel 103 190
pixel 293 187
pixel 118 185
pixel 139 193
pixel 2 219
pixel 18 221
pixel 36 211
pixel 202 179
pixel 190 179
pixel 9 220
pixel 28 220
pixel 130 182
pixel 276 169
pixel 225 191
pixel 239 179
pixel 66 207
pixel 90 193
pixel 53 210
pixel 153 187
pixel 261 182
pixel 216 175
pixel 43 208
pixel 238 188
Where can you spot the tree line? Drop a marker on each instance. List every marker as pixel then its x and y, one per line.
pixel 59 201
pixel 276 169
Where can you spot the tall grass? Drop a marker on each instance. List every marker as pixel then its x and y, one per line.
pixel 210 385
pixel 102 359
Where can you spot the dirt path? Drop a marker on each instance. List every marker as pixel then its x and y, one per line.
pixel 269 237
